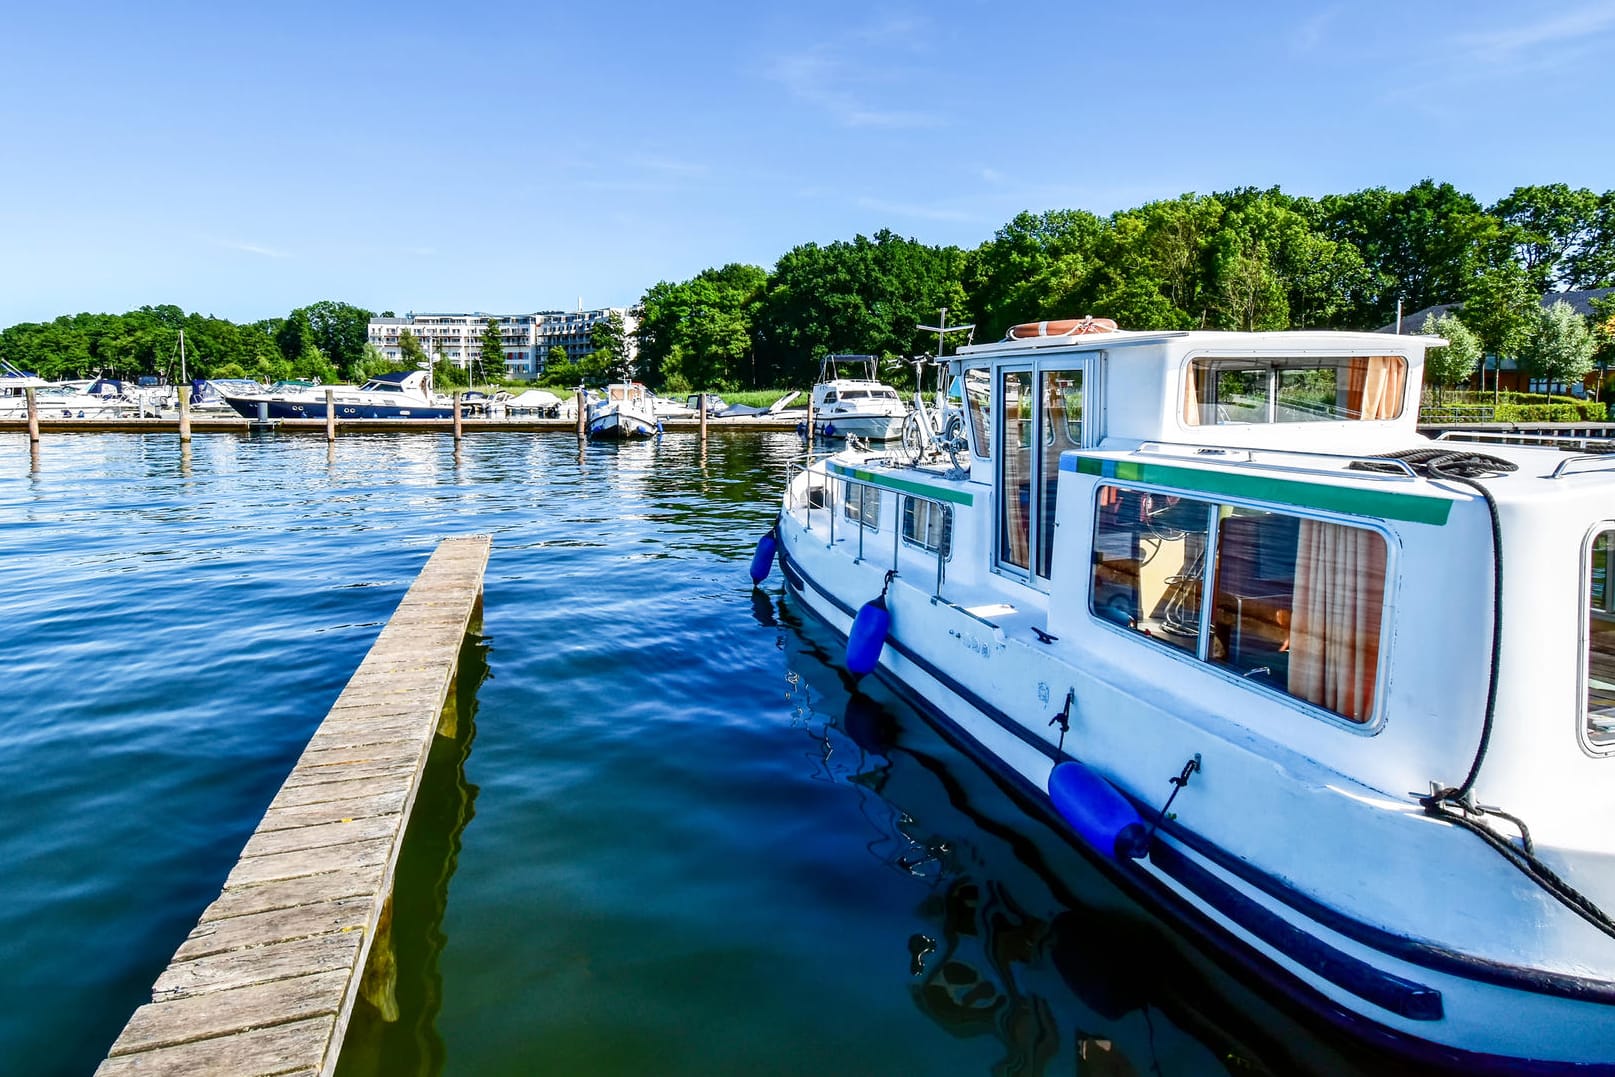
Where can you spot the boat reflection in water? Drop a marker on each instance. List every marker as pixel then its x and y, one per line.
pixel 394 1027
pixel 1019 937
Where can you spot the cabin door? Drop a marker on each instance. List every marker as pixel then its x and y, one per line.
pixel 1042 409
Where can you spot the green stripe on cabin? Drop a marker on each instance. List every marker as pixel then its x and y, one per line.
pixel 888 482
pixel 1354 500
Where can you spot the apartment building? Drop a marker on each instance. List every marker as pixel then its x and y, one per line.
pixel 527 338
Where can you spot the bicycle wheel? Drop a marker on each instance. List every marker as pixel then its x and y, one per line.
pixel 914 439
pixel 953 440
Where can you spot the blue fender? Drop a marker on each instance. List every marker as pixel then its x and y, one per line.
pixel 868 635
pixel 762 562
pixel 1097 811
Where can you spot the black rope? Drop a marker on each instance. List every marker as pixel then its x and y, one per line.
pixel 1178 783
pixel 891 573
pixel 1468 468
pixel 1063 718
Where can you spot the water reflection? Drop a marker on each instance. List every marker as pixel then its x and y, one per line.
pixel 394 1026
pixel 1017 937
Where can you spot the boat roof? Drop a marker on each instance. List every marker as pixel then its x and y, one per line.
pixel 1365 484
pixel 1293 340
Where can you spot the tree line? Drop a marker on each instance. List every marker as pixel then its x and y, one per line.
pixel 325 341
pixel 1245 259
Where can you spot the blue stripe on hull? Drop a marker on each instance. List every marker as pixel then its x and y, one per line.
pixel 282 410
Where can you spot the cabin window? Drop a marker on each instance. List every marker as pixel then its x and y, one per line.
pixel 1600 700
pixel 1149 563
pixel 928 525
pixel 861 503
pixel 1297 389
pixel 1297 605
pixel 1062 429
pixel 1015 519
pixel 979 398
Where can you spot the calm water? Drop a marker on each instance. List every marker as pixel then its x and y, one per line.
pixel 670 840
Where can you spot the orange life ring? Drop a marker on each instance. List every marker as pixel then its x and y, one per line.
pixel 1068 327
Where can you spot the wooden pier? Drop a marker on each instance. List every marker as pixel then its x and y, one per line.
pixel 267 980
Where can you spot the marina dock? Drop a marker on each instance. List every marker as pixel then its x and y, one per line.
pixel 235 424
pixel 267 980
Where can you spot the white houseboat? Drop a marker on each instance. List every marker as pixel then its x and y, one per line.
pixel 1336 699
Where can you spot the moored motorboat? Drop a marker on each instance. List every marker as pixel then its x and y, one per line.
pixel 626 410
pixel 402 394
pixel 849 400
pixel 1209 600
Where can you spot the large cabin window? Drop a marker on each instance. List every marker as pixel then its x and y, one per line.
pixel 1015 520
pixel 1600 676
pixel 1296 389
pixel 1297 605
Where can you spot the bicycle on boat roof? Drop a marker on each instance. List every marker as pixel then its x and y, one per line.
pixel 932 431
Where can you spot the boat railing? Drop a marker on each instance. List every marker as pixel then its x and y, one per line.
pixel 823 490
pixel 1378 467
pixel 1507 437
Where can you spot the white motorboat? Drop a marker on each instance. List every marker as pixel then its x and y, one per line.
pixel 1213 606
pixel 402 394
pixel 848 400
pixel 91 398
pixel 626 410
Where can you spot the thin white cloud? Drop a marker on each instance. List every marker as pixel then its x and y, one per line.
pixel 253 248
pixel 914 209
pixel 1570 27
pixel 848 77
pixel 1314 31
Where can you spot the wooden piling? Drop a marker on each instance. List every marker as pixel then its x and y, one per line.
pixel 701 404
pixel 184 415
pixel 583 415
pixel 330 415
pixel 267 980
pixel 459 430
pixel 33 416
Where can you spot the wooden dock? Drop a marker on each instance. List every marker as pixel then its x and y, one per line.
pixel 267 980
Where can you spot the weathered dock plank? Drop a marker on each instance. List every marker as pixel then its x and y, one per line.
pixel 266 981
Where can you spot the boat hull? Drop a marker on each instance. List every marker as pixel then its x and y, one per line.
pixel 1436 1006
pixel 866 427
pixel 619 426
pixel 253 407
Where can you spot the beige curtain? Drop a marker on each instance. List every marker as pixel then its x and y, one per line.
pixel 1191 395
pixel 1339 599
pixel 1375 386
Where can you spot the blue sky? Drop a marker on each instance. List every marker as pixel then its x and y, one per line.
pixel 241 160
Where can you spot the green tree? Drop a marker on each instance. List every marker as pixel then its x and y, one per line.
pixel 1545 225
pixel 869 295
pixel 1602 326
pixel 1418 244
pixel 1035 267
pixel 1559 347
pixel 339 330
pixel 410 352
pixel 609 340
pixel 1454 362
pixel 490 360
pixel 1500 306
pixel 701 332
